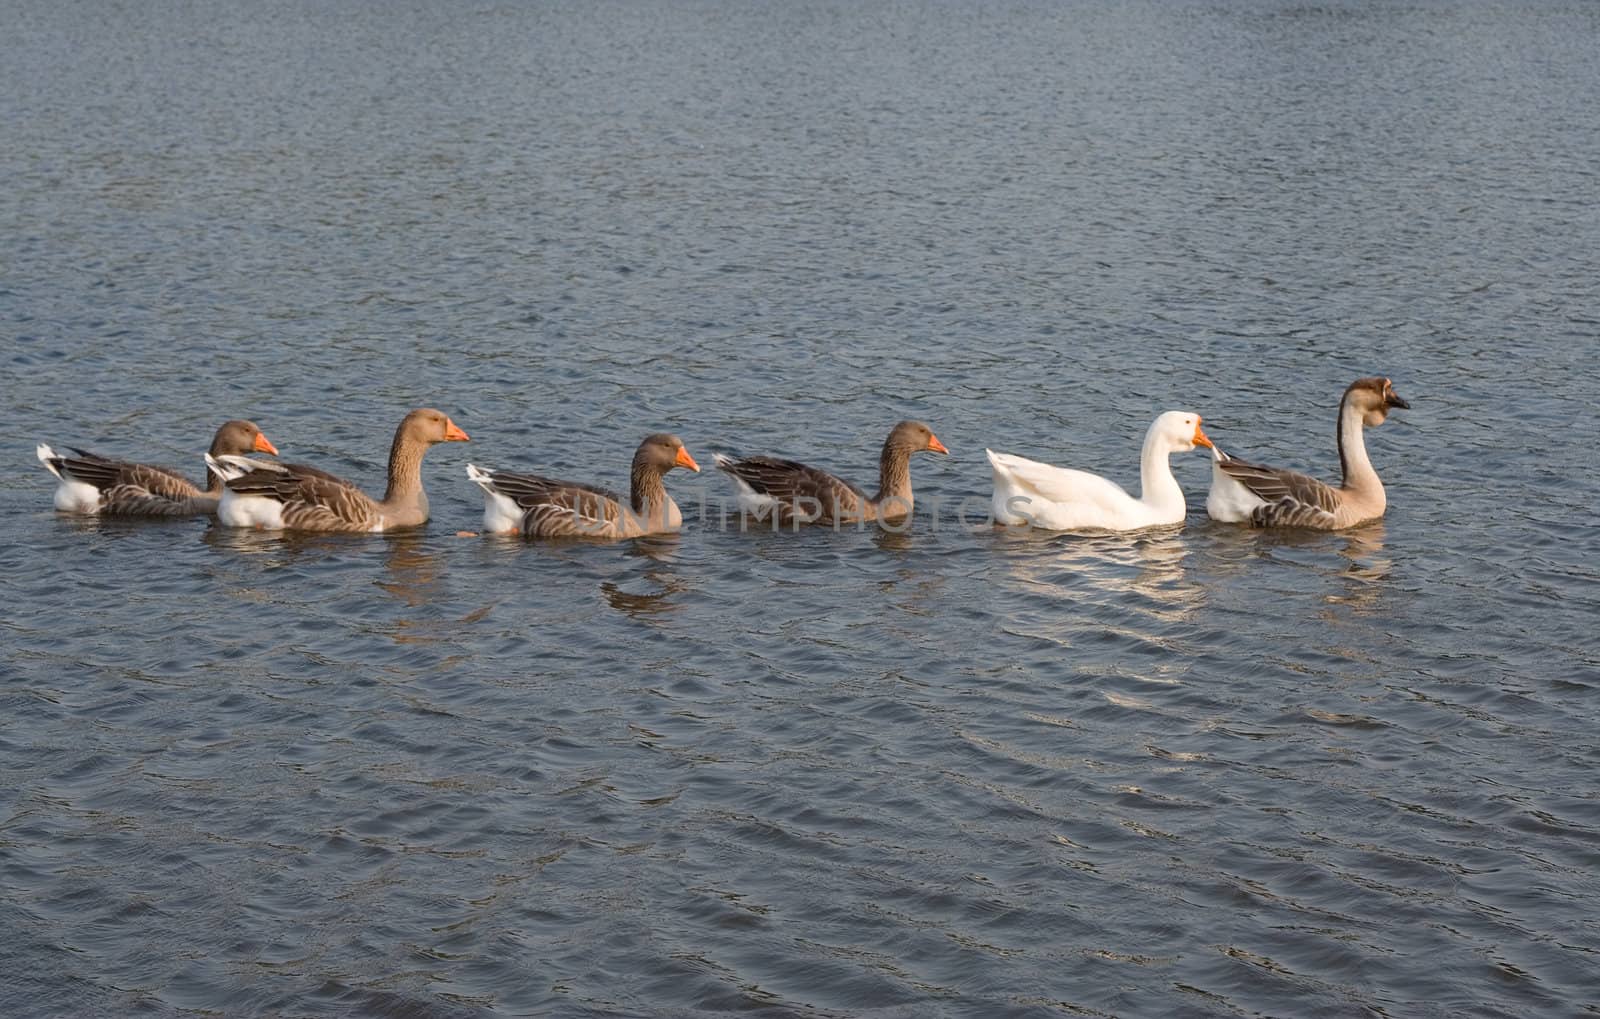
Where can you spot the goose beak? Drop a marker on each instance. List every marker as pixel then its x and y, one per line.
pixel 1394 400
pixel 262 445
pixel 452 433
pixel 1200 437
pixel 685 460
pixel 935 446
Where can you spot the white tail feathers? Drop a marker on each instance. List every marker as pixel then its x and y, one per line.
pixel 47 456
pixel 501 514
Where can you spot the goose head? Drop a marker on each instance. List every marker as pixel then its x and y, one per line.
pixel 915 437
pixel 1178 430
pixel 1374 398
pixel 662 452
pixel 238 437
pixel 426 426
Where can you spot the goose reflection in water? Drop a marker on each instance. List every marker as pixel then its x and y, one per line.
pixel 1083 567
pixel 892 541
pixel 1363 546
pixel 291 548
pixel 1360 552
pixel 1351 566
pixel 411 570
pixel 415 576
pixel 1118 603
pixel 1367 568
pixel 662 550
pixel 244 542
pixel 645 604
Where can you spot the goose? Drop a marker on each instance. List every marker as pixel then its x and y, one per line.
pixel 797 493
pixel 272 496
pixel 1062 499
pixel 541 507
pixel 1248 493
pixel 95 484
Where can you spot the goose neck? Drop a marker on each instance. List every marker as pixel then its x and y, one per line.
pixel 894 473
pixel 1157 486
pixel 646 489
pixel 405 470
pixel 1354 465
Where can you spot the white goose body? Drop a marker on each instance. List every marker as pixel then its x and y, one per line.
pixel 72 495
pixel 501 514
pixel 249 511
pixel 1027 492
pixel 235 510
pixel 1229 501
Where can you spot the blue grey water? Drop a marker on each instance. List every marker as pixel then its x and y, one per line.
pixel 1202 771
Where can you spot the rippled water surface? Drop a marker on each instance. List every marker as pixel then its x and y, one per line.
pixel 951 772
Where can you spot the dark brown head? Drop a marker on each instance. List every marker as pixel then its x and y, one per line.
pixel 914 437
pixel 663 452
pixel 1374 397
pixel 427 426
pixel 236 438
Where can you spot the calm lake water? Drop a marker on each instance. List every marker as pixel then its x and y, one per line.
pixel 953 772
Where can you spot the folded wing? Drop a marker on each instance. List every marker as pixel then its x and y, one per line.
pixel 1291 499
pixel 558 509
pixel 309 499
pixel 796 490
pixel 1046 483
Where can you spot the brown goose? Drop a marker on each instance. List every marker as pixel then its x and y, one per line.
pixel 801 494
pixel 91 483
pixel 1243 492
pixel 299 498
pixel 541 507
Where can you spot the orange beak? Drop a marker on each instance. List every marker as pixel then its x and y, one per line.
pixel 685 460
pixel 452 433
pixel 262 445
pixel 935 446
pixel 1200 437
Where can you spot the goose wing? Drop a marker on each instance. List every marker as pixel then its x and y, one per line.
pixel 1292 499
pixel 107 474
pixel 312 499
pixel 562 509
pixel 809 493
pixel 1066 486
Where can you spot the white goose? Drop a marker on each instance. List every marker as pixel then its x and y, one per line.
pixel 1248 493
pixel 1062 499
